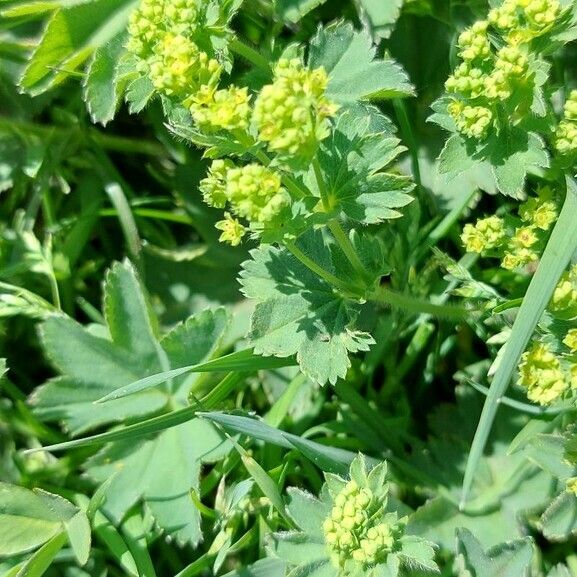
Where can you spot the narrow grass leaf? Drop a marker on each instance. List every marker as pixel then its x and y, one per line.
pixel 42 559
pixel 244 360
pixel 557 255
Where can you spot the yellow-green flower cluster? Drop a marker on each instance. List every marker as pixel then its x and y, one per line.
pixel 564 300
pixel 566 134
pixel 520 248
pixel 539 211
pixel 531 17
pixel 519 245
pixel 226 109
pixel 356 530
pixel 488 78
pixel 542 374
pixel 232 230
pixel 253 192
pixel 162 36
pixel 486 234
pixel 472 121
pixel 291 114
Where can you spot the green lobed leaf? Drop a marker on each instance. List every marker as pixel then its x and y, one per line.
pixel 96 362
pixel 106 77
pixel 559 520
pixel 381 16
pixel 351 160
pixel 299 313
pixel 348 56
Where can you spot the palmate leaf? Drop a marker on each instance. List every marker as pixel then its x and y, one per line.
pixel 511 156
pixel 299 313
pixel 348 56
pixel 95 361
pixel 502 489
pixel 351 160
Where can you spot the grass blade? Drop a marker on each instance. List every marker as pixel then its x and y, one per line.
pixel 244 360
pixel 557 255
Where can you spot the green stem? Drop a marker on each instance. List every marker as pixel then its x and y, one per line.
pixel 54 291
pixel 415 305
pixel 409 138
pixel 320 271
pixel 335 226
pixel 250 54
pixel 347 247
pixel 321 184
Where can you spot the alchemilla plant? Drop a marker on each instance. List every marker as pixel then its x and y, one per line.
pixel 288 288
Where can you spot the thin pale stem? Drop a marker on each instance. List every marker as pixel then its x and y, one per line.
pixel 415 305
pixel 348 248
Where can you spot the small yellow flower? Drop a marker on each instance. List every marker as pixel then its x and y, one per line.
pixel 232 230
pixel 541 373
pixel 486 234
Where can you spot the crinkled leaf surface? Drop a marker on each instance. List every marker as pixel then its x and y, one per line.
pixel 348 56
pixel 298 313
pixel 510 559
pixel 94 361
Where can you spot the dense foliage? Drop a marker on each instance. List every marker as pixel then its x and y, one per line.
pixel 288 288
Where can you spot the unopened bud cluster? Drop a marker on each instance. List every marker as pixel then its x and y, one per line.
pixel 252 192
pixel 162 35
pixel 517 242
pixel 546 375
pixel 566 134
pixel 356 529
pixel 488 78
pixel 291 114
